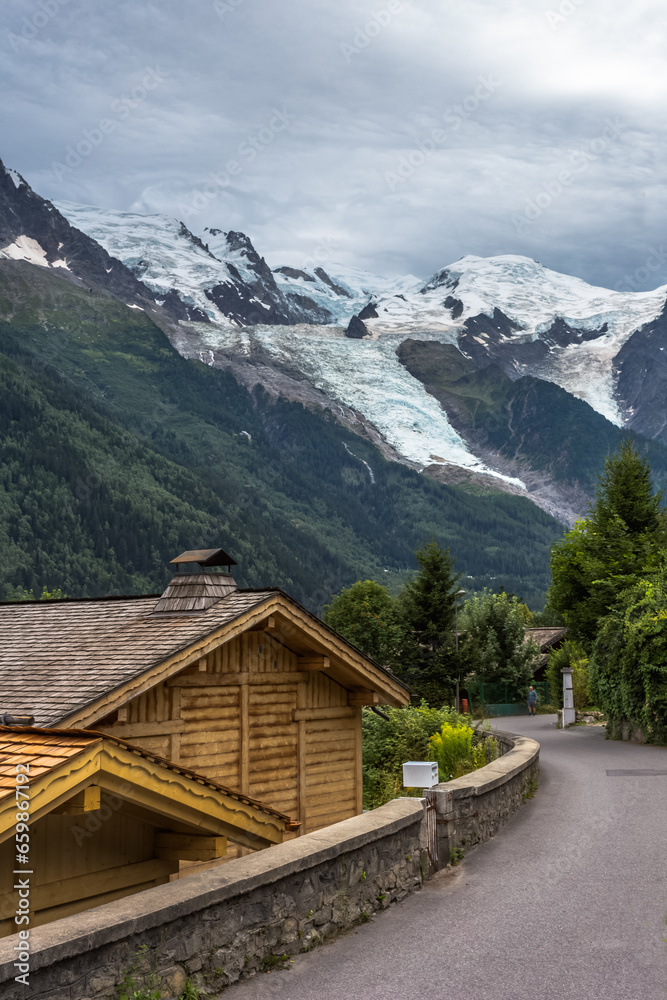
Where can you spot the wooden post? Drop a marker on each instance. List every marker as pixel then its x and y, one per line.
pixel 358 772
pixel 175 744
pixel 302 699
pixel 301 737
pixel 244 738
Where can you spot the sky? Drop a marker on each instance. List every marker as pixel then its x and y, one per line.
pixel 390 135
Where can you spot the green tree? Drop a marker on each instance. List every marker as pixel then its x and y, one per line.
pixel 427 604
pixel 604 553
pixel 494 647
pixel 629 661
pixel 626 492
pixel 367 615
pixel 21 594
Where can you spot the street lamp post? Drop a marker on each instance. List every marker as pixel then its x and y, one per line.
pixel 459 593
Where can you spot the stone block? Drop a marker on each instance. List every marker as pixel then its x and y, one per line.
pixel 102 983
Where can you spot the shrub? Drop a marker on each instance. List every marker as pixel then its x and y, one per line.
pixel 388 743
pixel 459 750
pixel 629 662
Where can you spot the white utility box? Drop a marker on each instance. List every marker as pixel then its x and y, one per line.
pixel 420 774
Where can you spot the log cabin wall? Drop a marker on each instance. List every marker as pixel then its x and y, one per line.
pixel 248 717
pixel 78 862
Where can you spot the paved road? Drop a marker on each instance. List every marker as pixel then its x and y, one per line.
pixel 568 901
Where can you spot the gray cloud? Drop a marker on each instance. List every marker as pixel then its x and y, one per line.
pixel 412 133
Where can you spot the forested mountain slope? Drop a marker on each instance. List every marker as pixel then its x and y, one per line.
pixel 116 453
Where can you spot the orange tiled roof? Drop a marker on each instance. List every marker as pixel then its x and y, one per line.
pixel 42 751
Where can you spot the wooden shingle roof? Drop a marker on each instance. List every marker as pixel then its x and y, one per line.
pixel 71 662
pixel 56 656
pixel 546 637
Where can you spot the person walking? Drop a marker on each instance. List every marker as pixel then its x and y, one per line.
pixel 532 701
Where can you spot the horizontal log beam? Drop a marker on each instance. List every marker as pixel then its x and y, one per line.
pixel 264 626
pixel 189 847
pixel 318 714
pixel 134 730
pixel 357 698
pixel 245 677
pixel 314 662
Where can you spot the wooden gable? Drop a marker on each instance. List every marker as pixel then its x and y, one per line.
pixel 108 819
pixel 254 692
pixel 265 712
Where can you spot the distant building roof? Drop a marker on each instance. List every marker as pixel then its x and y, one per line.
pixel 546 637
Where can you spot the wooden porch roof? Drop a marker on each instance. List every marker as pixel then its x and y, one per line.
pixel 60 762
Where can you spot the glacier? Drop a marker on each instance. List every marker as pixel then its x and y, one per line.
pixel 366 376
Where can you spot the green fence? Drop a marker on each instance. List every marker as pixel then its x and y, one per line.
pixel 502 699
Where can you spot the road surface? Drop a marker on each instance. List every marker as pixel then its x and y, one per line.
pixel 567 902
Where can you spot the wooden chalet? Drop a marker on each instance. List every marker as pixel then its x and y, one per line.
pixel 108 819
pixel 245 687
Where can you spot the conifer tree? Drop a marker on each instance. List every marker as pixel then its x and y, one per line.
pixel 626 492
pixel 427 602
pixel 603 553
pixel 428 599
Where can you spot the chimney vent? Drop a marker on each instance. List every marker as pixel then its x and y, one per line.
pixel 198 583
pixel 6 719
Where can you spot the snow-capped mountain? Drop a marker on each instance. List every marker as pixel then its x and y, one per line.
pixel 344 291
pixel 32 230
pixel 508 310
pixel 219 276
pixel 530 320
pixel 504 331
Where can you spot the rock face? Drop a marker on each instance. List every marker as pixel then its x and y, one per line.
pixel 356 329
pixel 250 296
pixel 368 312
pixel 640 368
pixel 31 227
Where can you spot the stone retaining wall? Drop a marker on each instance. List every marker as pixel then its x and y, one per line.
pixel 254 912
pixel 230 921
pixel 471 809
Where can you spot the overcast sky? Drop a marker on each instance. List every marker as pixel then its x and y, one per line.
pixel 391 135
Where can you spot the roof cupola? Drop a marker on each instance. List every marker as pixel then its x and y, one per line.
pixel 200 582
